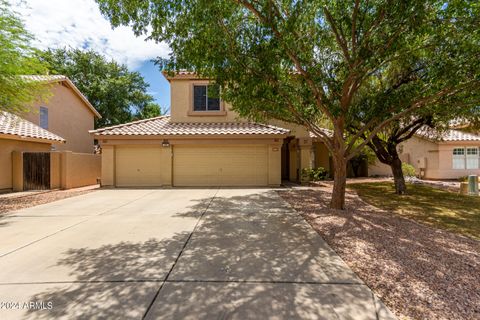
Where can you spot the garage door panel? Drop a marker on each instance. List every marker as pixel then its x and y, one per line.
pixel 221 165
pixel 138 166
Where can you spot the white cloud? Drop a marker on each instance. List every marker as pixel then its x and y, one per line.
pixel 79 24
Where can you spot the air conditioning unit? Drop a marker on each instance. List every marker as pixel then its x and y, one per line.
pixel 422 163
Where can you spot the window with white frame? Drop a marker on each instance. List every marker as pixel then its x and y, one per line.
pixel 466 158
pixel 472 158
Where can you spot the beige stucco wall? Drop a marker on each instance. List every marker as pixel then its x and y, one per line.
pixel 411 151
pixel 68 117
pixel 181 109
pixel 444 166
pixel 79 169
pixel 7 146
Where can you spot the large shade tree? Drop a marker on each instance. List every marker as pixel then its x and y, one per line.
pixel 17 58
pixel 305 61
pixel 117 93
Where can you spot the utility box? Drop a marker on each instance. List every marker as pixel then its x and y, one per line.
pixel 422 163
pixel 473 185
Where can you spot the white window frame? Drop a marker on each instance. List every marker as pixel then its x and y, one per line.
pixel 472 160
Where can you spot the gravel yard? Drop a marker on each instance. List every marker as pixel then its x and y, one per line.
pixel 21 200
pixel 418 271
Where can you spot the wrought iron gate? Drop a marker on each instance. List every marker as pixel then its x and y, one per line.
pixel 36 170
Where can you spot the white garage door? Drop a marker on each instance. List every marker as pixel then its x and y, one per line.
pixel 138 166
pixel 245 165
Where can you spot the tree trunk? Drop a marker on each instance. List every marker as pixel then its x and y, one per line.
pixel 398 179
pixel 339 183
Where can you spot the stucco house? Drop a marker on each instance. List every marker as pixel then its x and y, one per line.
pixel 204 143
pixel 67 113
pixel 18 135
pixel 452 154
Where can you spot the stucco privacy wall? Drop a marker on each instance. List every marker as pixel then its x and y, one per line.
pixel 7 147
pixel 68 117
pixel 109 150
pixel 67 169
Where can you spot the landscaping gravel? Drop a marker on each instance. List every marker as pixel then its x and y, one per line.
pixel 21 200
pixel 419 272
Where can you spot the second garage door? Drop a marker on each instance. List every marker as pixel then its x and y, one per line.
pixel 220 165
pixel 138 166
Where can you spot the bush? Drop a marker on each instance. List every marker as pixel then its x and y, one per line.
pixel 315 174
pixel 408 170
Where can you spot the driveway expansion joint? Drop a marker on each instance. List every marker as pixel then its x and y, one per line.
pixel 179 254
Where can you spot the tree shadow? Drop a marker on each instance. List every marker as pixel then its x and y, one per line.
pixel 250 257
pixel 418 271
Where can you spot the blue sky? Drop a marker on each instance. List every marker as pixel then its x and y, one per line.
pixel 79 24
pixel 159 87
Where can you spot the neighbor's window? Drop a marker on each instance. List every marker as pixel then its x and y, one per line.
pixel 472 158
pixel 44 117
pixel 206 98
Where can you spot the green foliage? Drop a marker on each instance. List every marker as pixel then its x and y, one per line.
pixel 315 174
pixel 17 57
pixel 118 94
pixel 408 170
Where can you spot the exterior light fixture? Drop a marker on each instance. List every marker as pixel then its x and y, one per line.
pixel 165 143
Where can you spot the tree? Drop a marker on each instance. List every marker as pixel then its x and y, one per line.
pixel 304 61
pixel 118 94
pixel 17 58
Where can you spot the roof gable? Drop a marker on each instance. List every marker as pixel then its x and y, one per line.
pixel 68 83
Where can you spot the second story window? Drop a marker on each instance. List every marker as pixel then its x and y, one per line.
pixel 206 98
pixel 44 117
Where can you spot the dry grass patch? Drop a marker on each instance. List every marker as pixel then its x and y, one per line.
pixel 436 207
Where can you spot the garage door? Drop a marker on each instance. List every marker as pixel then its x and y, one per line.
pixel 138 166
pixel 220 165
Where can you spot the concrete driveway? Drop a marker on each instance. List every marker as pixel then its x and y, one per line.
pixel 174 254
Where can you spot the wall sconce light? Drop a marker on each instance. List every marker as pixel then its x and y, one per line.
pixel 165 143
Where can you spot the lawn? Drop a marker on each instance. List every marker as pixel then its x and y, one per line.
pixel 439 208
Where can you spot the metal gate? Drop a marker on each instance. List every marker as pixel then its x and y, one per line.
pixel 36 170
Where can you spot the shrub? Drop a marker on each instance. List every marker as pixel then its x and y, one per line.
pixel 408 170
pixel 315 174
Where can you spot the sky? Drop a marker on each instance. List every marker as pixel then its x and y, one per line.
pixel 79 24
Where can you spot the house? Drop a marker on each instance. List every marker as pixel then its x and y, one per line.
pixel 50 146
pixel 18 135
pixel 449 155
pixel 204 143
pixel 67 113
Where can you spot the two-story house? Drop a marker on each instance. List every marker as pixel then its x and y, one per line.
pixel 66 113
pixel 202 143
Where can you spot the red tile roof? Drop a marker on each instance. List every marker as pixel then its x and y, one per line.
pixel 448 135
pixel 11 124
pixel 162 126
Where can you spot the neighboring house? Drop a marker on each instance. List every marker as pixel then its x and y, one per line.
pixel 203 143
pixel 450 155
pixel 17 134
pixel 66 112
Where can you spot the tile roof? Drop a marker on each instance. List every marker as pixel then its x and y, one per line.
pixel 45 78
pixel 11 124
pixel 328 132
pixel 448 135
pixel 164 127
